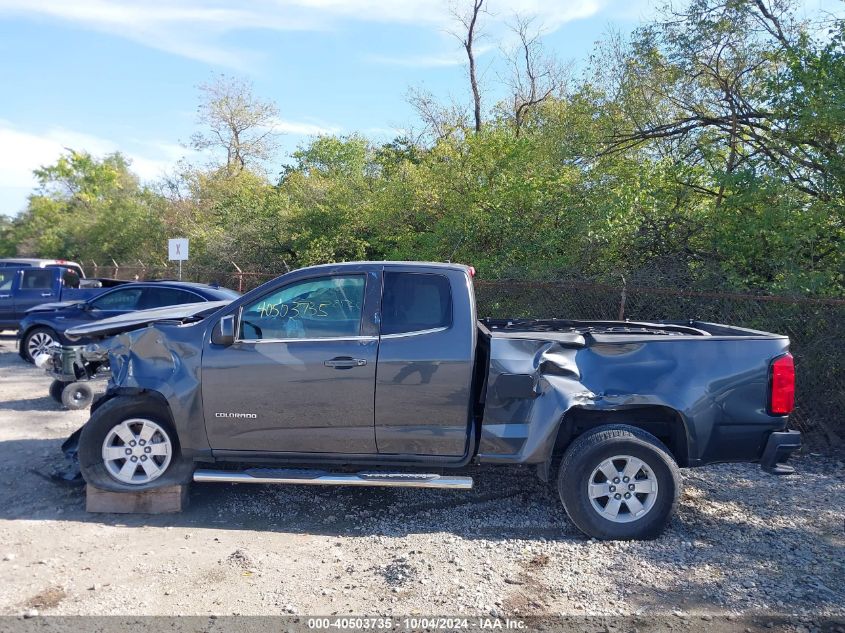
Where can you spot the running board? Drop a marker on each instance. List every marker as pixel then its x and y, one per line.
pixel 323 478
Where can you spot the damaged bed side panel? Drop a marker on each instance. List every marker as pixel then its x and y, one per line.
pixel 717 388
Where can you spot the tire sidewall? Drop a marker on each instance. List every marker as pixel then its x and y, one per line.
pixel 67 399
pixel 572 486
pixel 105 418
pixel 56 388
pixel 24 351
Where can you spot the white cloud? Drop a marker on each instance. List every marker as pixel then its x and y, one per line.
pixel 301 128
pixel 196 28
pixel 390 132
pixel 456 57
pixel 25 151
pixel 553 13
pixel 420 61
pixel 189 28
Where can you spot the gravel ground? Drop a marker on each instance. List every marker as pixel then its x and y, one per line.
pixel 743 542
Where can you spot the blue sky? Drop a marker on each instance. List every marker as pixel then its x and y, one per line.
pixel 105 75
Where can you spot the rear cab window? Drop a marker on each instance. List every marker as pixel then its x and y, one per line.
pixel 415 302
pixel 70 278
pixel 37 279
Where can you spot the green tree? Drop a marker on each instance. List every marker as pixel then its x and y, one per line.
pixel 89 209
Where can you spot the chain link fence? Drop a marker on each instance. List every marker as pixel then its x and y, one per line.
pixel 816 327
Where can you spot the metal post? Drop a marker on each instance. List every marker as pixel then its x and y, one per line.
pixel 180 270
pixel 622 299
pixel 240 277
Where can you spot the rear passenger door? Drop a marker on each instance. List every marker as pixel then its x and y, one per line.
pixel 425 360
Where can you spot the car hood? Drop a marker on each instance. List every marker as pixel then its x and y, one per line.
pixel 55 306
pixel 140 318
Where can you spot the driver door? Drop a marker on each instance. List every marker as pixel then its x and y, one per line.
pixel 300 376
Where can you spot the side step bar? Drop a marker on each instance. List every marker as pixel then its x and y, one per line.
pixel 323 478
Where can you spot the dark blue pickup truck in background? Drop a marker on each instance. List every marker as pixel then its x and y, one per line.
pixel 24 286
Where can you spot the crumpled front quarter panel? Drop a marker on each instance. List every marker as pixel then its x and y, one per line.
pixel 166 359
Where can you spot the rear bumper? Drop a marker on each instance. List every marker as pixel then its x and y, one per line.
pixel 780 445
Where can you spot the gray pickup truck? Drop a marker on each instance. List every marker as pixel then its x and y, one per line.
pixel 380 374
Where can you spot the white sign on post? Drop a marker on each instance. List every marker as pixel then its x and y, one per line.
pixel 177 251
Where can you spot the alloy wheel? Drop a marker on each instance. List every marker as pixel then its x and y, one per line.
pixel 622 489
pixel 39 343
pixel 137 451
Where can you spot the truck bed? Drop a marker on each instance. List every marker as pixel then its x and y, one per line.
pixel 610 331
pixel 702 385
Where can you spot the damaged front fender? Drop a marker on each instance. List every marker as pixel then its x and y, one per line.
pixel 161 362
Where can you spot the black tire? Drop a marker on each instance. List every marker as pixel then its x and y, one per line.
pixel 56 388
pixel 77 395
pixel 112 413
pixel 593 448
pixel 28 337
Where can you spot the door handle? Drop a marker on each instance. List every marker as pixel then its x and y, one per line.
pixel 345 363
pixel 5 296
pixel 46 294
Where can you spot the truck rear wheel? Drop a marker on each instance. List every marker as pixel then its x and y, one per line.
pixel 128 445
pixel 618 482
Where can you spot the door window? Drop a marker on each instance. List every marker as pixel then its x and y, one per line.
pixel 163 297
pixel 124 299
pixel 6 278
pixel 37 279
pixel 327 307
pixel 412 302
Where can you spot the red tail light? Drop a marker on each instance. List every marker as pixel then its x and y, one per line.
pixel 782 387
pixel 471 271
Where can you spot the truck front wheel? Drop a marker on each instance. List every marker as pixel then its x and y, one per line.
pixel 618 482
pixel 128 445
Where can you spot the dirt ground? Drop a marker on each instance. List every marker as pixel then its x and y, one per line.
pixel 742 542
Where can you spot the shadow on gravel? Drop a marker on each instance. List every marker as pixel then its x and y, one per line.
pixel 11 349
pixel 505 503
pixel 753 540
pixel 743 539
pixel 44 403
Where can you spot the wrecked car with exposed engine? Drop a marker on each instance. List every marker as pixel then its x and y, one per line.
pixel 380 374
